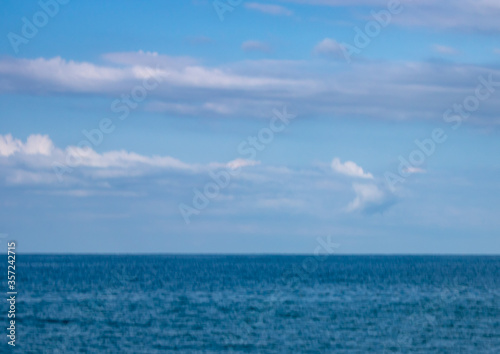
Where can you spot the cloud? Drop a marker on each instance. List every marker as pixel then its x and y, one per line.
pixel 255 46
pixel 179 108
pixel 339 2
pixel 38 161
pixel 329 48
pixel 269 9
pixel 57 75
pixel 414 170
pixel 30 165
pixel 150 59
pixel 369 90
pixel 35 145
pixel 219 108
pixel 8 145
pixel 122 159
pixel 464 15
pixel 349 168
pixel 282 203
pixel 370 199
pixel 199 40
pixel 238 163
pixel 445 50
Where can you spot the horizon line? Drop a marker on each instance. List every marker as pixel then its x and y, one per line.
pixel 261 254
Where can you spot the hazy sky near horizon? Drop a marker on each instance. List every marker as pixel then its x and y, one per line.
pixel 258 127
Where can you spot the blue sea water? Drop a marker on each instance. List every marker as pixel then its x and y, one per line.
pixel 259 304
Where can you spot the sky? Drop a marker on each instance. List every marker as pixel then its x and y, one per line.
pixel 250 126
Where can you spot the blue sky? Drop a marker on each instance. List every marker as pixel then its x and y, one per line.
pixel 116 116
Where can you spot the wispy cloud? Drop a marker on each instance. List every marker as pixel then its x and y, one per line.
pixel 414 170
pixel 38 161
pixel 329 48
pixel 57 75
pixel 255 46
pixel 31 163
pixel 200 40
pixel 239 162
pixel 464 15
pixel 374 90
pixel 269 9
pixel 442 49
pixel 370 199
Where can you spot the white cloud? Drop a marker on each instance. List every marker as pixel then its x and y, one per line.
pixel 180 108
pixel 330 48
pixel 30 163
pixel 206 108
pixel 349 168
pixel 36 160
pixel 35 145
pixel 269 9
pixel 372 90
pixel 61 75
pixel 238 163
pixel 414 170
pixel 122 159
pixel 57 75
pixel 38 144
pixel 370 199
pixel 25 177
pixel 255 46
pixel 90 192
pixel 8 145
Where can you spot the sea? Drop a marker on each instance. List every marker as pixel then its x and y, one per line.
pixel 255 304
